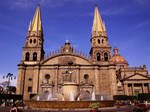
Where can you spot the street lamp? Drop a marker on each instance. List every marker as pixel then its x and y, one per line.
pixel 9 76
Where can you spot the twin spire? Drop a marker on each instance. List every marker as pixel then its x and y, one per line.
pixel 35 26
pixel 98 28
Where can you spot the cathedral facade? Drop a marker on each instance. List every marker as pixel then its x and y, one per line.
pixel 100 72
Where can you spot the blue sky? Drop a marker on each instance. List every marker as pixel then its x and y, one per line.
pixel 127 23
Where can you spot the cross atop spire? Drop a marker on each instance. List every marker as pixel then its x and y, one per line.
pixel 98 28
pixel 35 26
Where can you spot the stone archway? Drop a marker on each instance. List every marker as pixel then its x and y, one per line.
pixel 85 95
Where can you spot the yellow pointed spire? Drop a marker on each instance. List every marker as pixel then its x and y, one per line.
pixel 98 28
pixel 30 26
pixel 36 23
pixel 35 26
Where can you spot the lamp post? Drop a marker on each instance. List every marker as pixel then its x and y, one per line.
pixel 9 76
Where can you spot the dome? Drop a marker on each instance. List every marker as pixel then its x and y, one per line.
pixel 117 58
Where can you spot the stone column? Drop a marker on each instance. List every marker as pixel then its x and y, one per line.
pixel 78 75
pixel 149 87
pixel 126 88
pixel 40 90
pixel 21 80
pixel 36 80
pixel 56 81
pixel 143 88
pixel 112 80
pixel 96 80
pixel 132 88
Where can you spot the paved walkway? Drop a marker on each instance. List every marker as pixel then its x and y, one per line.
pixel 108 109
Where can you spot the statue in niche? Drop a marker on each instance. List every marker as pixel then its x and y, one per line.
pixel 68 76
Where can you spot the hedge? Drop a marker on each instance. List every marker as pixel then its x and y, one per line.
pixel 144 96
pixel 140 97
pixel 11 96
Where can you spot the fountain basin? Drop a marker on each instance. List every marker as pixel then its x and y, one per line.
pixel 70 91
pixel 66 104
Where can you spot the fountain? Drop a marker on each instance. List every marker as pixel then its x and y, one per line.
pixel 38 98
pixel 49 97
pixel 102 98
pixel 78 99
pixel 93 96
pixel 63 98
pixel 69 97
pixel 73 90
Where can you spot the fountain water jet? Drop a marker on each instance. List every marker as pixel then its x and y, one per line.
pixel 71 97
pixel 102 98
pixel 49 96
pixel 38 98
pixel 93 96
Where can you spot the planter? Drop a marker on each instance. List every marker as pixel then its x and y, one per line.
pixel 95 110
pixel 94 106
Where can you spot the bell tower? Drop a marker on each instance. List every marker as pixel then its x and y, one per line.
pixel 33 49
pixel 100 49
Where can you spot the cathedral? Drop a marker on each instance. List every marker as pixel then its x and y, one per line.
pixel 103 72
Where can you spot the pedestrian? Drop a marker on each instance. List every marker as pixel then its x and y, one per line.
pixel 13 108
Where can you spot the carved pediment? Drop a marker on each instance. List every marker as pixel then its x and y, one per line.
pixel 47 84
pixel 86 84
pixel 137 77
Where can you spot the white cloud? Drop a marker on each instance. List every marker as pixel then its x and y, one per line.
pixel 7 27
pixel 53 47
pixel 143 2
pixel 24 4
pixel 128 7
pixel 116 10
pixel 144 23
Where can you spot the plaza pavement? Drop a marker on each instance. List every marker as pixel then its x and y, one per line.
pixel 108 109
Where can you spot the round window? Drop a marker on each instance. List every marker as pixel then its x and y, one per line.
pixel 47 76
pixel 86 76
pixel 30 79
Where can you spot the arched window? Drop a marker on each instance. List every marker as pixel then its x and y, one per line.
pixel 105 56
pixel 34 56
pixel 34 41
pixel 29 89
pixel 99 41
pixel 102 41
pixel 30 41
pixel 98 56
pixel 27 57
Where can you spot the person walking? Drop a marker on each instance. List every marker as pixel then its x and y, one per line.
pixel 13 108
